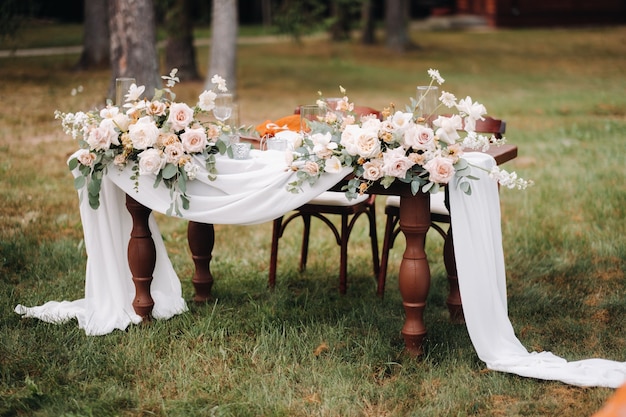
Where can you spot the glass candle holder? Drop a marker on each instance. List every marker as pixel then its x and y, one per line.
pixel 428 101
pixel 309 113
pixel 122 85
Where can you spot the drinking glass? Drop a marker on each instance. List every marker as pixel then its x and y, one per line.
pixel 309 113
pixel 223 106
pixel 428 100
pixel 122 85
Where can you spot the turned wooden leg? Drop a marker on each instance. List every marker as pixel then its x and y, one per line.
pixel 141 257
pixel 201 238
pixel 414 274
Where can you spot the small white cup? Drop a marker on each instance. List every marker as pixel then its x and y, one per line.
pixel 277 144
pixel 241 150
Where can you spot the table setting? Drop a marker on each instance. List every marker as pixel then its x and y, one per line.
pixel 167 157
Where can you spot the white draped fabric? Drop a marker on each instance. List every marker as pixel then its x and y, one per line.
pixel 253 191
pixel 482 281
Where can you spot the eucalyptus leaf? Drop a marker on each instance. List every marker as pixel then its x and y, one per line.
pixel 169 171
pixel 79 182
pixel 72 164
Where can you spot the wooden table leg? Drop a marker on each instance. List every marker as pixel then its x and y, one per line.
pixel 201 238
pixel 141 257
pixel 414 274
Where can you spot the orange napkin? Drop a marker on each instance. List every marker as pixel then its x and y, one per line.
pixel 269 128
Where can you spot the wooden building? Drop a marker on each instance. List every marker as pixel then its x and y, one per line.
pixel 532 13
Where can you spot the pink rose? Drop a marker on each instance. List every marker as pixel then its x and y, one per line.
pixel 194 140
pixel 440 169
pixel 180 116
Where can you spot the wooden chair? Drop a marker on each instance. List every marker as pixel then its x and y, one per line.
pixel 327 204
pixel 440 215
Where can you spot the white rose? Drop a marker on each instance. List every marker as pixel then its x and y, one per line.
pixel 395 163
pixel 109 112
pixel 367 143
pixel 101 137
pixel 348 138
pixel 151 161
pixel 373 170
pixel 419 137
pixel 370 123
pixel 144 133
pixel 180 116
pixel 194 140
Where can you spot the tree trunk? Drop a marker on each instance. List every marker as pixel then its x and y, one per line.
pixel 340 28
pixel 96 42
pixel 223 55
pixel 133 44
pixel 179 50
pixel 396 24
pixel 368 34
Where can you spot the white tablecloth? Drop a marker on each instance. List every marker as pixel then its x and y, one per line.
pixel 253 191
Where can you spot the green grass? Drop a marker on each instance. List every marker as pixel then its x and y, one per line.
pixel 303 350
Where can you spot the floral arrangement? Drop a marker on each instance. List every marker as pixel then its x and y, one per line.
pixel 401 147
pixel 159 137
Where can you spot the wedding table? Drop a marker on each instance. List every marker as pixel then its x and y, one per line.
pixel 414 272
pixel 113 301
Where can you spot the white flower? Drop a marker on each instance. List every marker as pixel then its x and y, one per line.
pixel 171 79
pixel 102 137
pixel 370 122
pixel 134 92
pixel 220 82
pixel 419 137
pixel 348 138
pixel 109 112
pixel 395 163
pixel 471 111
pixel 434 74
pixel 373 170
pixel 448 99
pixel 448 128
pixel 367 143
pixel 180 116
pixel 207 100
pixel 332 165
pixel 144 133
pixel 401 120
pixel 151 161
pixel 194 140
pixel 322 144
pixel 192 170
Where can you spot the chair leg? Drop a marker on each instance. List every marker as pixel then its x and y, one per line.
pixel 455 306
pixel 276 232
pixel 304 254
pixel 384 257
pixel 343 261
pixel 371 215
